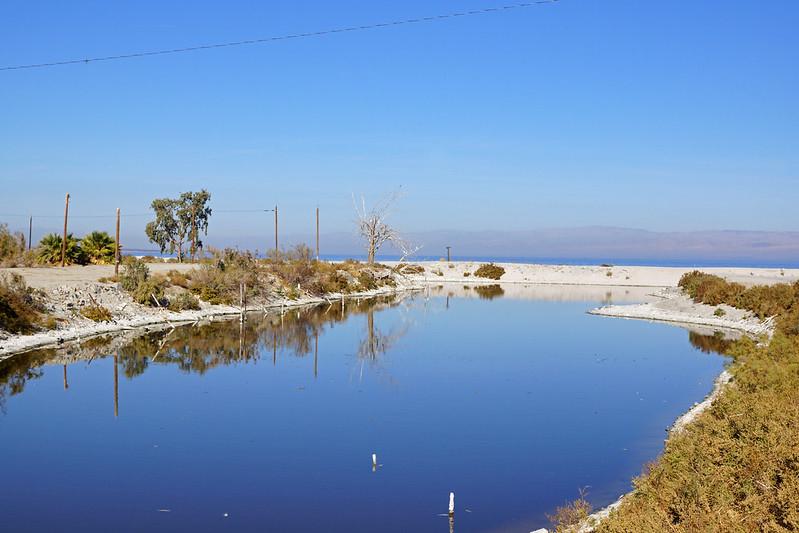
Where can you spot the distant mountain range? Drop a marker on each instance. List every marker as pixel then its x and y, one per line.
pixel 594 243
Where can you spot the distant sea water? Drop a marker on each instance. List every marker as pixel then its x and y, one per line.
pixel 585 261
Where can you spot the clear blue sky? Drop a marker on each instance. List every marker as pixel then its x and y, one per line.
pixel 674 115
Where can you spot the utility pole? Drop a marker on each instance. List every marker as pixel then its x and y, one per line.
pixel 64 240
pixel 117 251
pixel 276 247
pixel 317 233
pixel 448 247
pixel 30 231
pixel 193 232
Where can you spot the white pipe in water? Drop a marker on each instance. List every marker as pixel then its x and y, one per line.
pixel 451 503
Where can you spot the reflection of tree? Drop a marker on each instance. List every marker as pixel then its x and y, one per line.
pixel 15 372
pixel 200 348
pixel 376 342
pixel 715 343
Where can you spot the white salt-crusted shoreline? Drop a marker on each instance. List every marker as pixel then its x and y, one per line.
pixel 673 306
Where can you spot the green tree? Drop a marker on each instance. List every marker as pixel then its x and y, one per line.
pixel 99 247
pixel 178 221
pixel 49 250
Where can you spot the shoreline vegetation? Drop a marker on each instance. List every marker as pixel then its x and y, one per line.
pixel 734 464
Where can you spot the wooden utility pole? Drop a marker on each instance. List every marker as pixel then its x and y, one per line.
pixel 64 240
pixel 117 251
pixel 276 247
pixel 193 232
pixel 448 247
pixel 317 233
pixel 30 231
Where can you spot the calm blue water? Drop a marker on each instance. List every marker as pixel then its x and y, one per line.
pixel 513 404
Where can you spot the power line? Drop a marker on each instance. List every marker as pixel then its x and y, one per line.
pixel 130 215
pixel 282 37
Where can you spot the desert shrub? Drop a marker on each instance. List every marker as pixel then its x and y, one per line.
pixel 566 517
pixel 20 308
pixel 609 273
pixel 183 301
pixel 150 259
pixel 762 300
pixel 788 322
pixel 13 249
pixel 98 313
pixel 134 272
pixel 768 300
pixel 49 250
pixel 150 290
pixel 99 248
pixel 292 293
pixel 218 281
pixel 467 274
pixel 409 269
pixel 719 312
pixel 366 280
pixel 136 280
pixel 180 279
pixel 490 271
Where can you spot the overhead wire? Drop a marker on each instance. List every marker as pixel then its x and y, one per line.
pixel 264 40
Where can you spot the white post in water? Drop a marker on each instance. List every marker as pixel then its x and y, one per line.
pixel 374 460
pixel 451 503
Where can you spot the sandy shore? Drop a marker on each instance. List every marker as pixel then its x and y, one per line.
pixel 618 276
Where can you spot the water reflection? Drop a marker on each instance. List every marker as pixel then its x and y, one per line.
pixel 716 342
pixel 489 292
pixel 201 348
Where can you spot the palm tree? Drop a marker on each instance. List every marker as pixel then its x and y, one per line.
pixel 49 250
pixel 99 247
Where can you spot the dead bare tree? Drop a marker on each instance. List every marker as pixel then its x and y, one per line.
pixel 406 247
pixel 372 226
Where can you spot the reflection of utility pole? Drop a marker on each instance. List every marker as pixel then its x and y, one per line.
pixel 274 347
pixel 66 385
pixel 315 353
pixel 116 386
